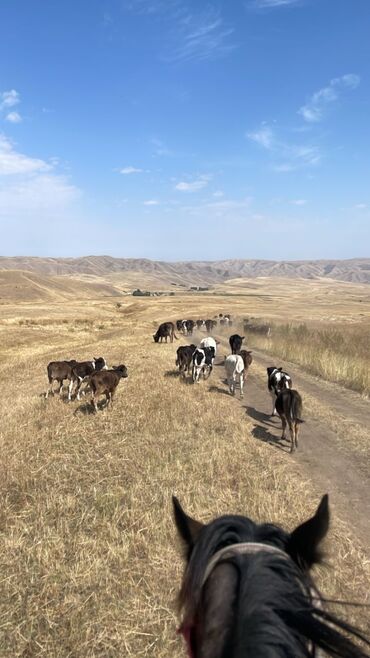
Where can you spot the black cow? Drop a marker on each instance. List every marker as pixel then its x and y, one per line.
pixel 203 358
pixel 289 408
pixel 189 327
pixel 165 330
pixel 105 383
pixel 59 371
pixel 179 325
pixel 210 324
pixel 235 342
pixel 277 381
pixel 184 358
pixel 200 324
pixel 83 370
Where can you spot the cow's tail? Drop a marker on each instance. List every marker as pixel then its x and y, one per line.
pixel 296 410
pixel 177 361
pixel 175 337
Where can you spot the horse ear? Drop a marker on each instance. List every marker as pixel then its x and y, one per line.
pixel 304 541
pixel 187 527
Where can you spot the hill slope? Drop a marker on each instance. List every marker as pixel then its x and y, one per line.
pixel 30 286
pixel 193 272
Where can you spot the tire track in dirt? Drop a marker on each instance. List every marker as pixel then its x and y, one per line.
pixel 340 472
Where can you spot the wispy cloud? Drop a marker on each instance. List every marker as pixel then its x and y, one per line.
pixel 160 148
pixel 193 186
pixel 264 136
pixel 290 156
pixel 315 108
pixel 271 4
pixel 13 117
pixel 298 202
pixel 9 99
pixel 218 194
pixel 130 170
pixel 151 202
pixel 201 36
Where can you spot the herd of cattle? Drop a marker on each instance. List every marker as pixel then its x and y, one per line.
pixel 195 360
pixel 198 360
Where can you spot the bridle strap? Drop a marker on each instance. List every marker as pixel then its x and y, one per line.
pixel 243 548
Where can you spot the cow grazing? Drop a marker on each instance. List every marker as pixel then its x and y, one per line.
pixel 184 358
pixel 59 371
pixel 165 330
pixel 234 366
pixel 200 324
pixel 289 407
pixel 81 371
pixel 277 381
pixel 190 324
pixel 236 342
pixel 105 383
pixel 202 362
pixel 208 341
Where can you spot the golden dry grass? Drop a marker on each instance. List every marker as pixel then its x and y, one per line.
pixel 339 354
pixel 90 565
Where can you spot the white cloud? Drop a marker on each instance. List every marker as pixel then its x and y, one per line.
pixel 298 202
pixel 218 194
pixel 294 156
pixel 130 170
pixel 266 4
pixel 193 186
pixel 264 136
pixel 151 202
pixel 9 99
pixel 13 163
pixel 13 117
pixel 360 206
pixel 314 110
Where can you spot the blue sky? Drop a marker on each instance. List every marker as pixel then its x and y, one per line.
pixel 182 129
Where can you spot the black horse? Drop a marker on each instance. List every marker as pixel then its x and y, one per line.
pixel 247 591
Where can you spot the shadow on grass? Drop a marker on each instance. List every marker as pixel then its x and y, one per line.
pixel 218 389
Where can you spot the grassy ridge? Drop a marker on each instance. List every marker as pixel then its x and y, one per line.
pixel 340 355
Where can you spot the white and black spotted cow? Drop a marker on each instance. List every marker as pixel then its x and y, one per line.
pixel 277 381
pixel 203 358
pixel 208 341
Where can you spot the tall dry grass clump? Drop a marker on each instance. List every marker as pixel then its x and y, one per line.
pixel 340 355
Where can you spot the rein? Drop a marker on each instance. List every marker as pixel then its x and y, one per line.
pixel 244 548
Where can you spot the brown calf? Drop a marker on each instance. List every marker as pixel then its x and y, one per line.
pixel 105 383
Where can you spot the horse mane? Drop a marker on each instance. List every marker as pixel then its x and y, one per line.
pixel 275 613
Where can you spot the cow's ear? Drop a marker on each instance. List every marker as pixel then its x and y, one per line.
pixel 280 369
pixel 187 527
pixel 305 540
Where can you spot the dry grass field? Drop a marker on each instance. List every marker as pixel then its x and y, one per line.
pixel 90 563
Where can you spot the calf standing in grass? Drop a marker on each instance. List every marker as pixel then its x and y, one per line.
pixel 165 330
pixel 184 358
pixel 81 371
pixel 289 407
pixel 59 371
pixel 105 383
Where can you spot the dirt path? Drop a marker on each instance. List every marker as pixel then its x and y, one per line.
pixel 334 466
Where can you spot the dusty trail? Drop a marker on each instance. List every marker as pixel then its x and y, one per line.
pixel 333 465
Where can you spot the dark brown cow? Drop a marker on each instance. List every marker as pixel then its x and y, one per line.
pixel 184 358
pixel 82 370
pixel 247 358
pixel 105 383
pixel 59 371
pixel 165 330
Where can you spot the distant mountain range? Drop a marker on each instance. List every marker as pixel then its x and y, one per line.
pixel 191 272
